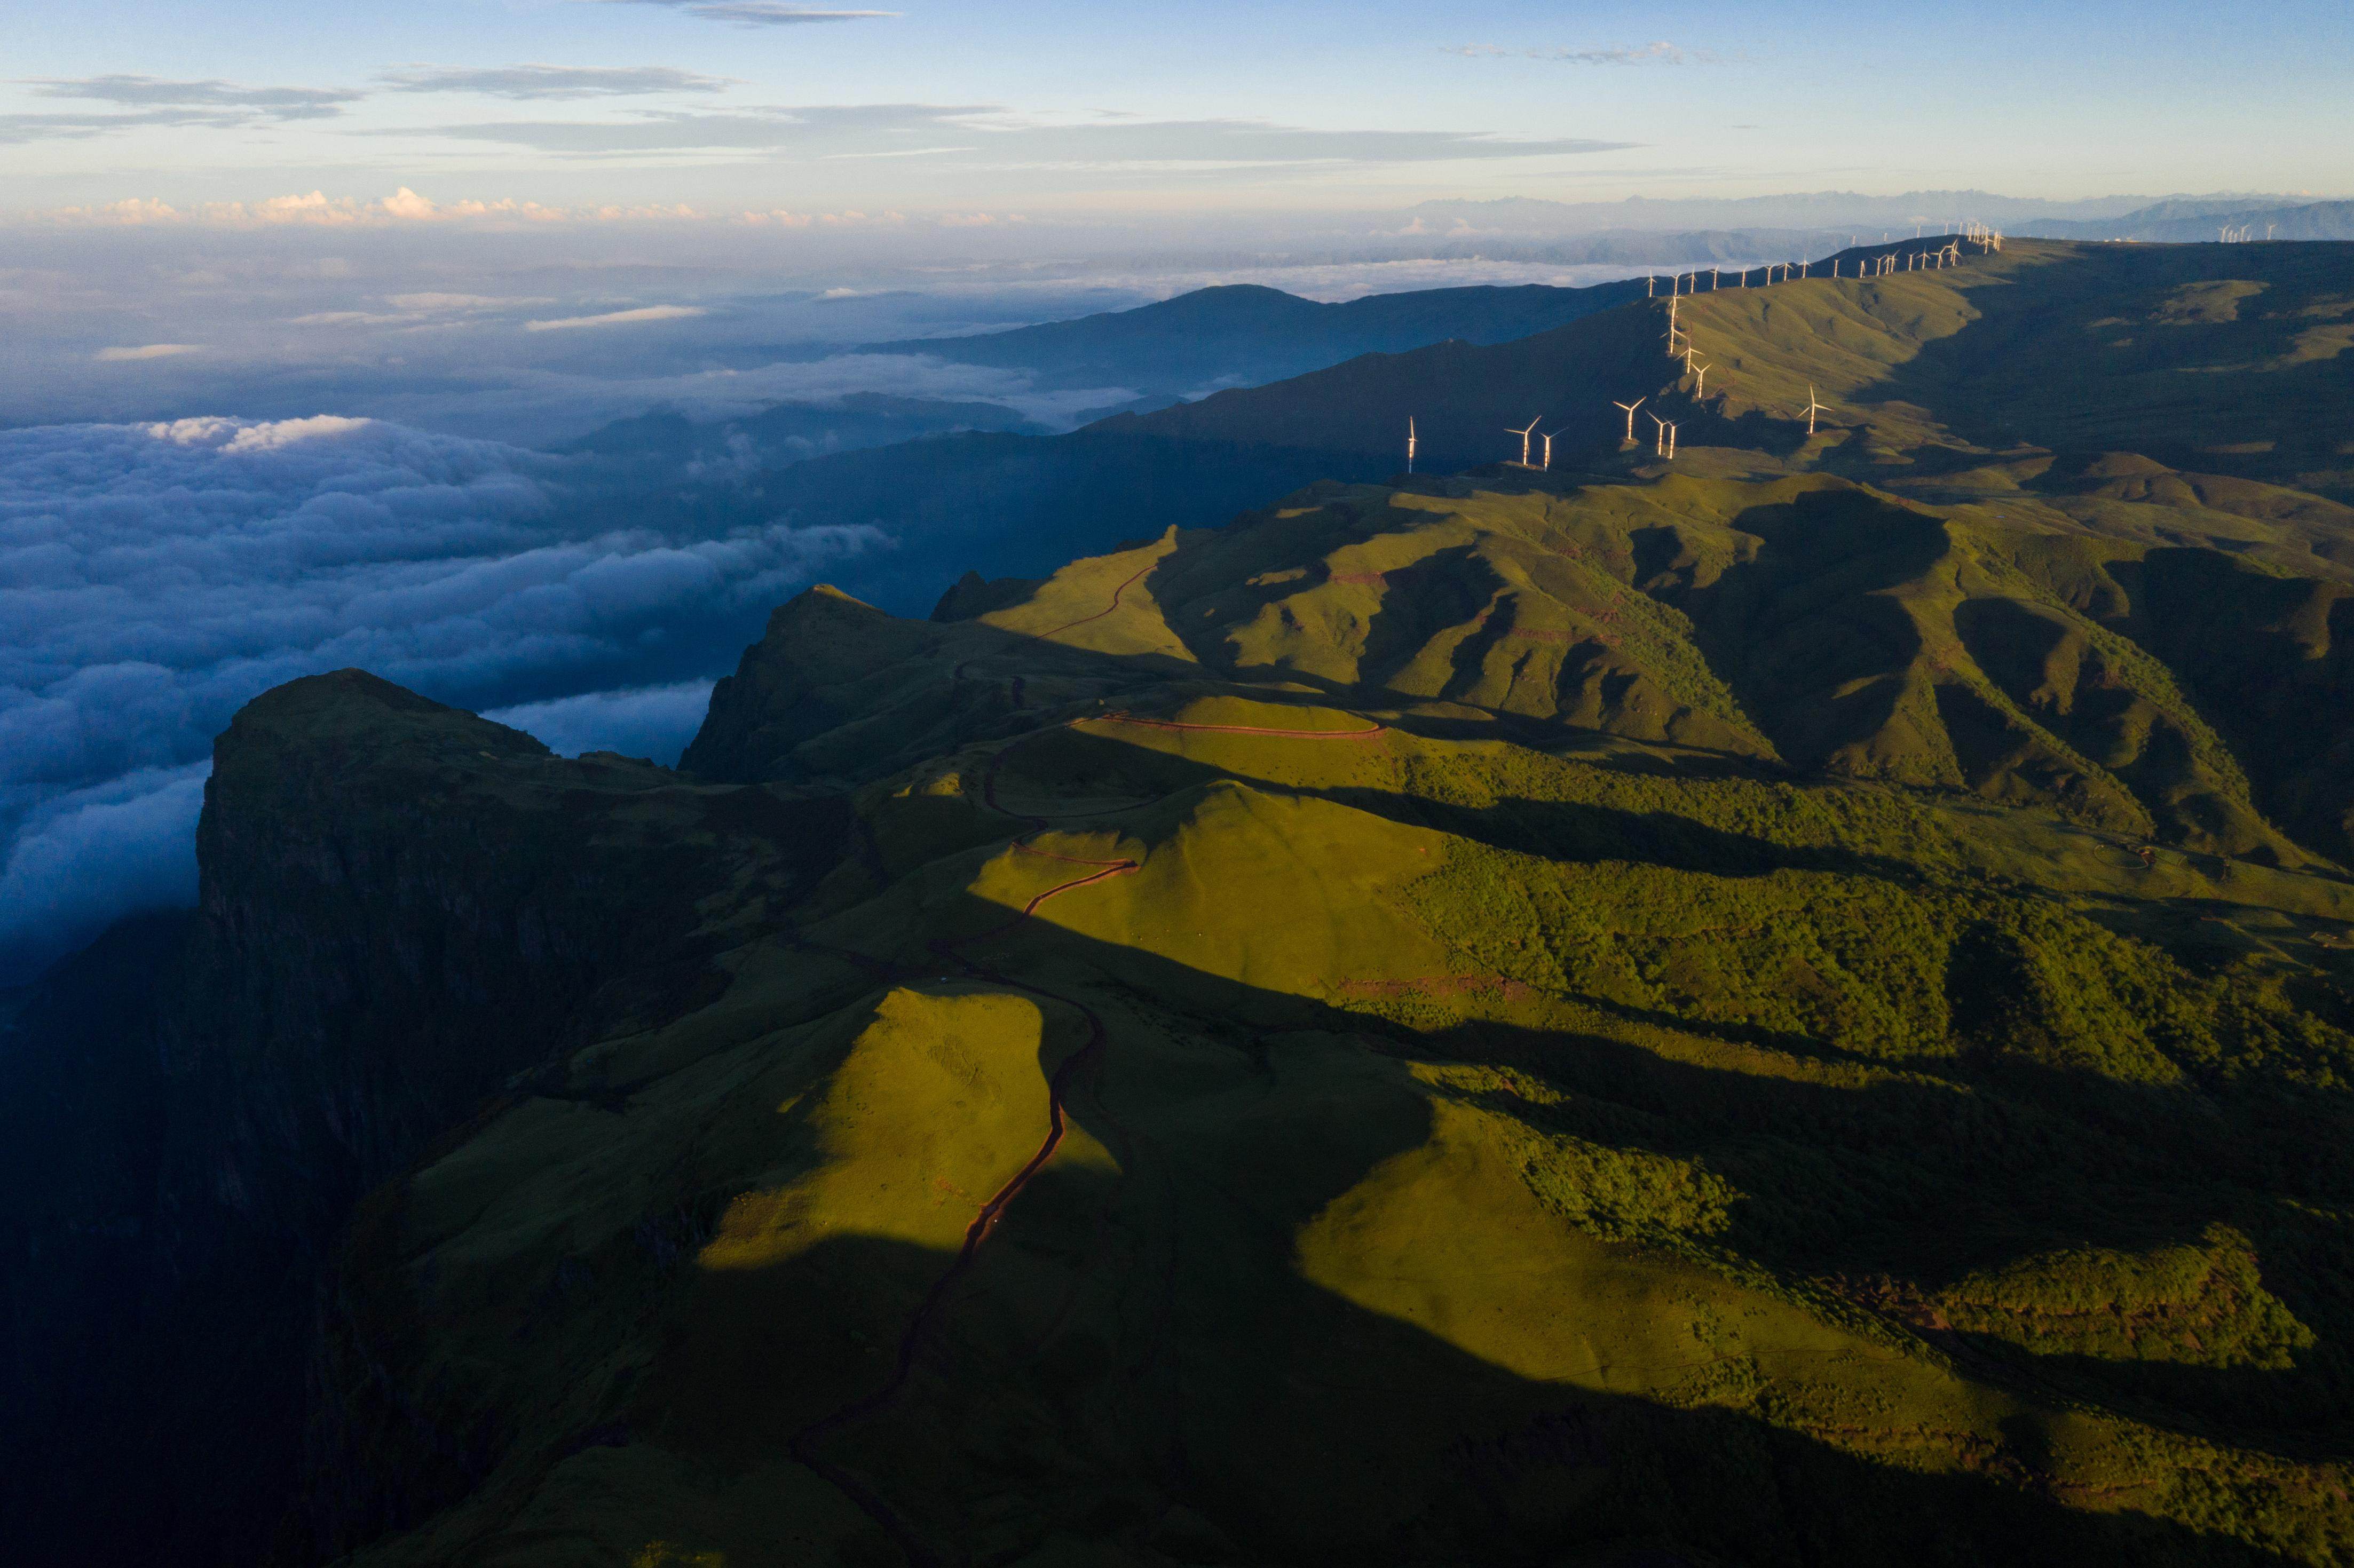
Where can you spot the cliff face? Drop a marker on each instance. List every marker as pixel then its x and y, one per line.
pixel 403 907
pixel 400 910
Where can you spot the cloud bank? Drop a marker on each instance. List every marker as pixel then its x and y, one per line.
pixel 154 577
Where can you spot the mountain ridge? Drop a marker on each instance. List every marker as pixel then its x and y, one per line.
pixel 1790 1004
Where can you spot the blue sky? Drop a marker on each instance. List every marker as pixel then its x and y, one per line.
pixel 1051 107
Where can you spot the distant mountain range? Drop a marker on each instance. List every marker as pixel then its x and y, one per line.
pixel 1808 209
pixel 1984 351
pixel 2177 222
pixel 1241 335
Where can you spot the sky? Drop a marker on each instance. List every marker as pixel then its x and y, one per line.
pixel 305 309
pixel 990 113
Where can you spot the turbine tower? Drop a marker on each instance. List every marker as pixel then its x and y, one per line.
pixel 1409 443
pixel 1524 438
pixel 1547 439
pixel 1700 370
pixel 1659 436
pixel 1813 407
pixel 1630 408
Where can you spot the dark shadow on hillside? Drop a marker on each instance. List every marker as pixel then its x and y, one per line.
pixel 1254 1416
pixel 1808 616
pixel 1922 1179
pixel 2089 349
pixel 1130 1346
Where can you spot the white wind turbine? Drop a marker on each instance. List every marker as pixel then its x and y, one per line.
pixel 1524 438
pixel 1409 443
pixel 1700 370
pixel 1547 439
pixel 1659 436
pixel 1630 408
pixel 1813 407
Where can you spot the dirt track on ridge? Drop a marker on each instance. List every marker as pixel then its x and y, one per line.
pixel 1087 1058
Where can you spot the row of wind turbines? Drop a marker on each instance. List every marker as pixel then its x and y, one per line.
pixel 1947 255
pixel 1987 241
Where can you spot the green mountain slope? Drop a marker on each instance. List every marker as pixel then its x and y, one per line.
pixel 1790 1005
pixel 2189 392
pixel 2227 359
pixel 1347 1039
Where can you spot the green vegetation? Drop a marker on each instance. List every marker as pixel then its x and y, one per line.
pixel 1798 1009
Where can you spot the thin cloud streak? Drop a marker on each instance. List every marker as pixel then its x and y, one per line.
pixel 756 12
pixel 618 318
pixel 145 350
pixel 845 131
pixel 534 81
pixel 1661 53
pixel 211 92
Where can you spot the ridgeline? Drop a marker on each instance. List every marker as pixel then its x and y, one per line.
pixel 1793 1005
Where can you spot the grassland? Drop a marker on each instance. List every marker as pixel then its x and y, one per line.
pixel 1792 1007
pixel 1620 1015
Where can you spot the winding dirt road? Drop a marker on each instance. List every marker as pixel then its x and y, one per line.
pixel 1087 1058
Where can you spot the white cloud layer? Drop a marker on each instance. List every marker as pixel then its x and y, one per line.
pixel 154 577
pixel 652 721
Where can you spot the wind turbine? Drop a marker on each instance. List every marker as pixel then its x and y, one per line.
pixel 1524 438
pixel 1547 439
pixel 1803 266
pixel 1700 370
pixel 1630 408
pixel 1409 443
pixel 1813 407
pixel 1671 441
pixel 1659 437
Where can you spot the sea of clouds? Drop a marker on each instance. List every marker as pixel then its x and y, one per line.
pixel 155 577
